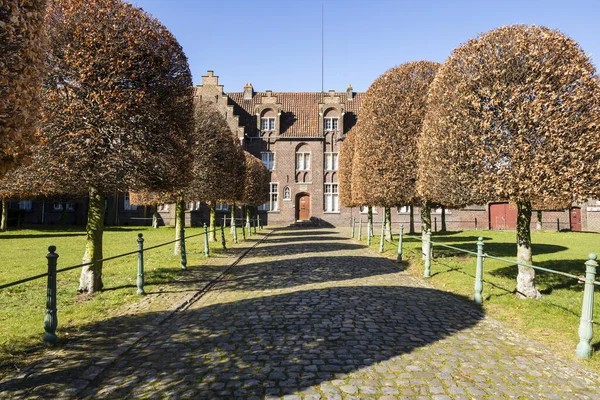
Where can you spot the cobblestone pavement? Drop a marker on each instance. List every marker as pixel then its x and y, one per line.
pixel 310 314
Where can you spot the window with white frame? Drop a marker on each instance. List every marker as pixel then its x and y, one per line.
pixel 439 211
pixel 268 158
pixel 273 203
pixel 331 197
pixel 365 210
pixel 25 205
pixel 287 193
pixel 331 161
pixel 59 206
pixel 127 206
pixel 222 207
pixel 302 161
pixel 403 210
pixel 163 207
pixel 331 124
pixel 191 206
pixel 267 124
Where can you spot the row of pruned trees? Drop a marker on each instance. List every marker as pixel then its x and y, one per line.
pixel 513 114
pixel 95 97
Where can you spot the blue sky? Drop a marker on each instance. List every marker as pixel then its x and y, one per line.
pixel 276 45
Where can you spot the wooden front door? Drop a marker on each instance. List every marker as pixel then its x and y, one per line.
pixel 576 219
pixel 304 207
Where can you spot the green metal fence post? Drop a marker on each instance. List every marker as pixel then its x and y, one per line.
pixel 50 319
pixel 427 273
pixel 586 332
pixel 183 253
pixel 235 239
pixel 140 271
pixel 243 231
pixel 254 227
pixel 476 223
pixel 206 248
pixel 352 224
pixel 382 235
pixel 478 298
pixel 557 225
pixel 259 222
pixel 399 258
pixel 359 229
pixel 223 238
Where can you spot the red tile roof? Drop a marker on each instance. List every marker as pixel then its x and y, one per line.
pixel 299 111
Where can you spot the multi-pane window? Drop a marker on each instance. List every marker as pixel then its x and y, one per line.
pixel 365 209
pixel 127 205
pixel 191 206
pixel 273 203
pixel 331 197
pixel 331 161
pixel 25 205
pixel 222 207
pixel 331 124
pixel 59 206
pixel 404 210
pixel 303 161
pixel 267 124
pixel 268 158
pixel 163 207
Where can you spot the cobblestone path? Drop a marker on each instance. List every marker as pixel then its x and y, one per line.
pixel 310 314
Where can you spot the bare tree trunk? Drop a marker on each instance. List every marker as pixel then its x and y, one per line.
pixel 538 225
pixel 212 235
pixel 443 219
pixel 425 222
pixel 233 224
pixel 4 222
pixel 526 277
pixel 388 224
pixel 155 216
pixel 411 223
pixel 179 222
pixel 90 280
pixel 370 221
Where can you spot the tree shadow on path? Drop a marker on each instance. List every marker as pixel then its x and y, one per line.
pixel 277 344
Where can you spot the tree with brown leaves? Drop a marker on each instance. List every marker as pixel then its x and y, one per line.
pixel 117 108
pixel 513 114
pixel 345 169
pixel 256 185
pixel 390 122
pixel 22 46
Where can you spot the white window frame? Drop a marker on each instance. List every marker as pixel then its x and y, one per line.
pixel 222 207
pixel 268 159
pixel 273 203
pixel 331 161
pixel 403 210
pixel 25 205
pixel 331 198
pixel 59 206
pixel 162 208
pixel 365 210
pixel 267 124
pixel 127 206
pixel 303 161
pixel 331 123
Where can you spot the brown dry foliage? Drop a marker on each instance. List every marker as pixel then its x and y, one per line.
pixel 390 122
pixel 256 187
pixel 219 164
pixel 513 114
pixel 22 45
pixel 345 169
pixel 117 101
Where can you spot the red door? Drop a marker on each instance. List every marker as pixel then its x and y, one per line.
pixel 304 207
pixel 576 219
pixel 502 216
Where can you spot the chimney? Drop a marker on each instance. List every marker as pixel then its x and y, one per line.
pixel 349 92
pixel 248 91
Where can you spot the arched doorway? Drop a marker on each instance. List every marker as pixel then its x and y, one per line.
pixel 303 207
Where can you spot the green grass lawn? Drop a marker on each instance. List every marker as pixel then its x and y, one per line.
pixel 553 319
pixel 24 254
